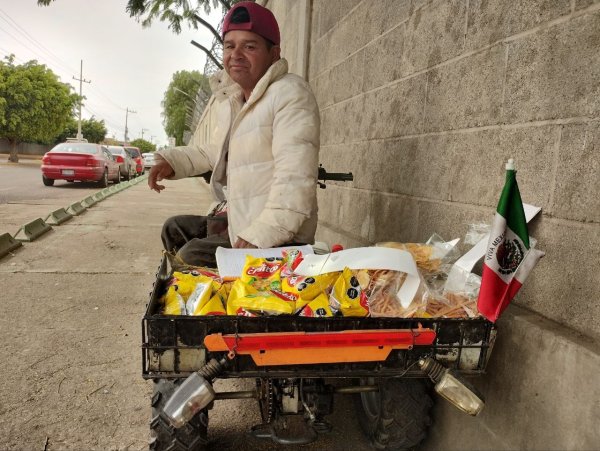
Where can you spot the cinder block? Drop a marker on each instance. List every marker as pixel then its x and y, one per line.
pixel 344 122
pixel 394 218
pixel 57 217
pixel 382 59
pixel 492 20
pixel 32 230
pixel 478 164
pixel 577 192
pixel 346 79
pixel 332 235
pixel 8 244
pixel 434 33
pixel 331 12
pixel 395 110
pixel 467 93
pixel 346 208
pixel 554 73
pixel 386 14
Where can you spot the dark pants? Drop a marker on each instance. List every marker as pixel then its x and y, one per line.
pixel 194 239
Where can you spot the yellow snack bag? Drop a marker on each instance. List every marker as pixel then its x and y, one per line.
pixel 348 297
pixel 244 299
pixel 173 302
pixel 215 305
pixel 308 288
pixel 262 273
pixel 318 308
pixel 199 297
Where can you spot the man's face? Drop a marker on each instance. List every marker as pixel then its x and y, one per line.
pixel 246 57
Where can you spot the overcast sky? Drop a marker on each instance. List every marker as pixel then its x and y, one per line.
pixel 129 66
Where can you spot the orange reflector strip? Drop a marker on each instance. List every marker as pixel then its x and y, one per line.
pixel 291 348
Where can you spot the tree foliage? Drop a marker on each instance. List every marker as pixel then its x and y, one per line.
pixel 188 92
pixel 35 105
pixel 91 129
pixel 143 145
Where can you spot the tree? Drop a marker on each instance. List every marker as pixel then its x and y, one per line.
pixel 36 105
pixel 91 129
pixel 187 93
pixel 143 145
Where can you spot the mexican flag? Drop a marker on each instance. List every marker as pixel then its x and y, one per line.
pixel 509 258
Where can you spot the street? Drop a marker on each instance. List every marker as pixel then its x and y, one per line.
pixel 22 182
pixel 73 301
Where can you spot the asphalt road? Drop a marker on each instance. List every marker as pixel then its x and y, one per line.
pixel 22 182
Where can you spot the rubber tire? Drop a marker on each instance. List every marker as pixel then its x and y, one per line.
pixel 396 417
pixel 103 182
pixel 47 181
pixel 191 437
pixel 128 176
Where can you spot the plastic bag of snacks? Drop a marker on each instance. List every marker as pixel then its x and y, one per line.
pixel 348 297
pixel 383 298
pixel 190 290
pixel 244 299
pixel 317 308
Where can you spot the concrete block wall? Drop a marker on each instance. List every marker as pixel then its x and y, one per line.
pixel 424 101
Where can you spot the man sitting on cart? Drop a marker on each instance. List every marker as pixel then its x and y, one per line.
pixel 263 151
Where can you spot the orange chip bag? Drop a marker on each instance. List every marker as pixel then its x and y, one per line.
pixel 348 297
pixel 319 308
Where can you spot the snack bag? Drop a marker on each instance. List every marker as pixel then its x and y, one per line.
pixel 215 305
pixel 319 308
pixel 244 298
pixel 308 288
pixel 173 302
pixel 348 297
pixel 262 273
pixel 383 296
pixel 200 296
pixel 291 260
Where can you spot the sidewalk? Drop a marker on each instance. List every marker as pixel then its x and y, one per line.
pixel 72 306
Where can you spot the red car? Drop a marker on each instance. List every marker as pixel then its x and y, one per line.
pixel 79 161
pixel 136 155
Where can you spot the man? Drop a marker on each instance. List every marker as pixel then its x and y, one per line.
pixel 263 152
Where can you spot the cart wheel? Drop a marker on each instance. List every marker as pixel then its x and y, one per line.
pixel 397 416
pixel 191 437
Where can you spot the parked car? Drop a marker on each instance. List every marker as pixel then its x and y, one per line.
pixel 136 155
pixel 79 161
pixel 148 160
pixel 127 164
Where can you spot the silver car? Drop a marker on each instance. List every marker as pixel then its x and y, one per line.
pixel 148 159
pixel 127 165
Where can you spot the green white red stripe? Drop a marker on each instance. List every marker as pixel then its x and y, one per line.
pixel 509 257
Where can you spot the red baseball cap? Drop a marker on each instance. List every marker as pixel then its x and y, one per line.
pixel 262 22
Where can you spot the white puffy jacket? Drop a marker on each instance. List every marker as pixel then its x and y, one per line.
pixel 271 168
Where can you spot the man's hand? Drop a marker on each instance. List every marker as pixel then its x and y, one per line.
pixel 243 244
pixel 160 171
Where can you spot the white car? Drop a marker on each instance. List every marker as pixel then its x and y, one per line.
pixel 148 159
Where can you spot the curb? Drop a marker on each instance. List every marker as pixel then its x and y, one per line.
pixel 34 229
pixel 8 244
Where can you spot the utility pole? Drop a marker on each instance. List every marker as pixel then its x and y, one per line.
pixel 152 139
pixel 144 130
pixel 127 111
pixel 81 80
